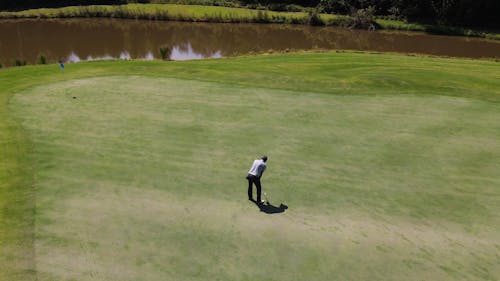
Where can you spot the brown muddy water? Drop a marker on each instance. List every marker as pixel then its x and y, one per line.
pixel 72 40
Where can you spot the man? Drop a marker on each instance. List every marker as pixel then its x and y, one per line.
pixel 254 175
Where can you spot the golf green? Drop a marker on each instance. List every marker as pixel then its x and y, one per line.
pixel 136 170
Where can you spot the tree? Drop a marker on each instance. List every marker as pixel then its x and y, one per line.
pixel 443 10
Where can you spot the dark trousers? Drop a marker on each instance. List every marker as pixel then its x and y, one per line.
pixel 254 180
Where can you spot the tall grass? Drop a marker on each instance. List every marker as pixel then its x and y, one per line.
pixel 199 13
pixel 392 24
pixel 165 52
pixel 399 25
pixel 175 12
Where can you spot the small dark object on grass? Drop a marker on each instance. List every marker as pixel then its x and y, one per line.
pixel 74 97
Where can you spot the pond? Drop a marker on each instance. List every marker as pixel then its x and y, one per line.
pixel 73 40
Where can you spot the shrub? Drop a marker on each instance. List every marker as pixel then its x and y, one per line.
pixel 165 53
pixel 281 7
pixel 313 18
pixel 363 18
pixel 294 8
pixel 334 6
pixel 395 13
pixel 19 62
pixel 42 59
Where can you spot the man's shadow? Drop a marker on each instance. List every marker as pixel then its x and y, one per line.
pixel 269 209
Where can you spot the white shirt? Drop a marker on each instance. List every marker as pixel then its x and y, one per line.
pixel 258 167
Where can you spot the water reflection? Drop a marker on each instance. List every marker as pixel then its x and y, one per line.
pixel 90 58
pixel 125 55
pixel 73 58
pixel 186 52
pixel 149 56
pixel 96 39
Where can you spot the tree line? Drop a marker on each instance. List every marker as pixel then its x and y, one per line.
pixel 479 13
pixel 470 13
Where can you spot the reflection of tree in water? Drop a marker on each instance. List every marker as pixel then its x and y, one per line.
pixel 229 39
pixel 25 39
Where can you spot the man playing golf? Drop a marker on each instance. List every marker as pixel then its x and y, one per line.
pixel 254 175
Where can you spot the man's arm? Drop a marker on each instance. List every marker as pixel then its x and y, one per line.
pixel 261 173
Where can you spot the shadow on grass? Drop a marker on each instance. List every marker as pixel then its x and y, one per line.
pixel 269 209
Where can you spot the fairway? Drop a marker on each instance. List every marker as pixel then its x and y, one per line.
pixel 142 177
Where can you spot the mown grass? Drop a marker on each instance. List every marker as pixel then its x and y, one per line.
pixel 200 13
pixel 388 164
pixel 16 197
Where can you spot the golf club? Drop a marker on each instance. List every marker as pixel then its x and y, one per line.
pixel 266 199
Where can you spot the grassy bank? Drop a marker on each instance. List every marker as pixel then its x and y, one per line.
pixel 388 165
pixel 435 29
pixel 175 12
pixel 198 13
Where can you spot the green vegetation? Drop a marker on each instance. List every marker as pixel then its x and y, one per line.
pixel 42 59
pixel 400 25
pixel 198 13
pixel 388 163
pixel 464 13
pixel 392 24
pixel 19 62
pixel 173 12
pixel 165 53
pixel 363 18
pixel 478 13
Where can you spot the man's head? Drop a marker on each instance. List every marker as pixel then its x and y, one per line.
pixel 264 158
